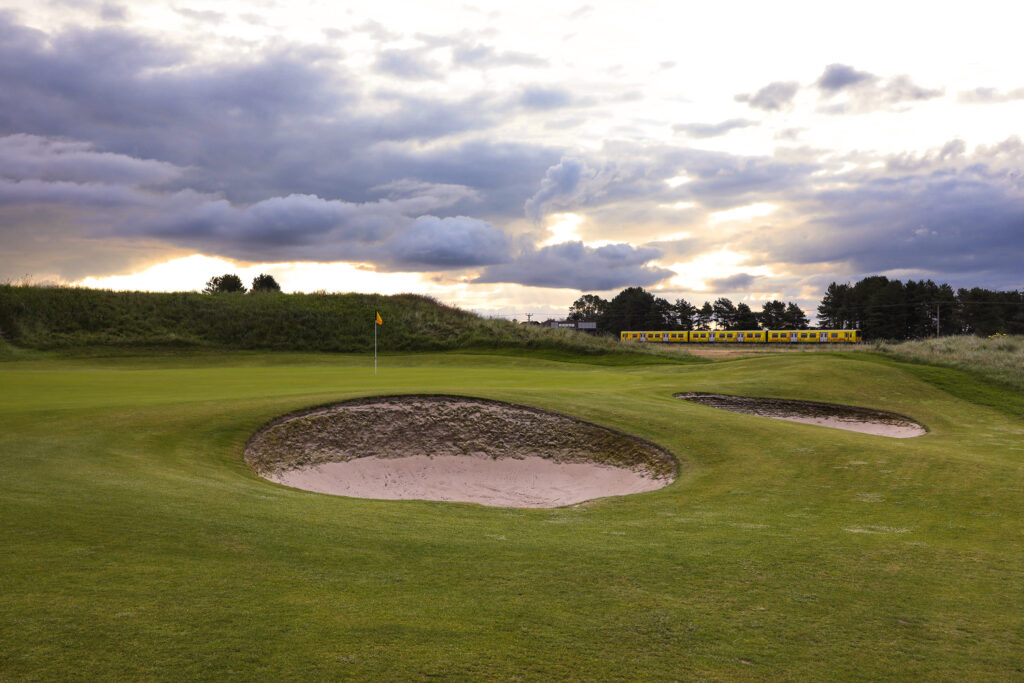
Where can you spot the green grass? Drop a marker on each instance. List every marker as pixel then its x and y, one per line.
pixel 135 543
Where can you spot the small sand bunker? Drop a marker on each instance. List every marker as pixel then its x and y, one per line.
pixel 456 449
pixel 851 418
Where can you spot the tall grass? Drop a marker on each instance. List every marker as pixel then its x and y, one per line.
pixel 64 317
pixel 1000 358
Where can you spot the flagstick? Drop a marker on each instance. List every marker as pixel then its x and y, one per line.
pixel 375 346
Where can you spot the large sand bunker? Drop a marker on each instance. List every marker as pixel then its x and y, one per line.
pixel 851 418
pixel 457 449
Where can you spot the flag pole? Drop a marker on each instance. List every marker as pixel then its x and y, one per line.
pixel 375 346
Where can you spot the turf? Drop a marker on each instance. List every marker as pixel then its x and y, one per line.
pixel 136 544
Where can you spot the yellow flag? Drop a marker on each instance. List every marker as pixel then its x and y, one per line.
pixel 379 321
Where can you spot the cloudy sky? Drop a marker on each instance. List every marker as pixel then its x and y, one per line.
pixel 508 157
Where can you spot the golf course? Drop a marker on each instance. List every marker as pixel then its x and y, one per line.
pixel 136 543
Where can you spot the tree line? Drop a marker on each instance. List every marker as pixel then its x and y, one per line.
pixel 890 309
pixel 881 308
pixel 636 309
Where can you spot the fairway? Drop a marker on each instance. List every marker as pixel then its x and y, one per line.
pixel 136 543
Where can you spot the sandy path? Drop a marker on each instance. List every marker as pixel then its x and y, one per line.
pixel 508 482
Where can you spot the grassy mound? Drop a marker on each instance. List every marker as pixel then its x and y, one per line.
pixel 66 318
pixel 999 358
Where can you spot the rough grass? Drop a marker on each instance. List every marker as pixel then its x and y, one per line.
pixel 135 543
pixel 73 319
pixel 1000 358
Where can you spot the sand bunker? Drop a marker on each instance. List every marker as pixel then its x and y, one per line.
pixel 851 418
pixel 456 449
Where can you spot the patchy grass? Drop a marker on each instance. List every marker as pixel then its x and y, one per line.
pixel 135 542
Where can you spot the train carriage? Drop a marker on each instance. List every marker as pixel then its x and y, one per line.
pixel 743 336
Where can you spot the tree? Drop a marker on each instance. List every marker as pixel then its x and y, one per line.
pixel 724 313
pixel 834 311
pixel 588 307
pixel 229 282
pixel 265 283
pixel 631 309
pixel 773 314
pixel 685 314
pixel 794 318
pixel 704 317
pixel 661 316
pixel 745 318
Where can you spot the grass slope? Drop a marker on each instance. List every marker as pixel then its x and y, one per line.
pixel 135 543
pixel 73 319
pixel 998 358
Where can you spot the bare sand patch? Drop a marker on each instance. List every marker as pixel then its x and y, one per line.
pixel 455 449
pixel 851 418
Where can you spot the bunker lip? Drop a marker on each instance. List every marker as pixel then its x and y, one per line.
pixel 457 448
pixel 851 418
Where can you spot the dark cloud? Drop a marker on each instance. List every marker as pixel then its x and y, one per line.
pixel 917 162
pixel 308 228
pixel 377 31
pixel 733 283
pixel 115 144
pixel 948 213
pixel 480 56
pixel 245 129
pixel 711 130
pixel 772 97
pixel 112 12
pixel 559 182
pixel 789 133
pixel 32 191
pixel 722 181
pixel 866 92
pixel 543 98
pixel 444 243
pixel 839 76
pixel 573 265
pixel 989 96
pixel 32 157
pixel 408 64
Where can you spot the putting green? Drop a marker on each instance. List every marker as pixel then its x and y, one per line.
pixel 135 542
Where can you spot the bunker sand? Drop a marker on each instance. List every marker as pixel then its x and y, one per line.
pixel 532 481
pixel 455 449
pixel 851 418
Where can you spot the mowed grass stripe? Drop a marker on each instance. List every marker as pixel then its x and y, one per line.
pixel 136 544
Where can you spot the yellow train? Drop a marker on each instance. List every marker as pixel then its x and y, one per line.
pixel 743 336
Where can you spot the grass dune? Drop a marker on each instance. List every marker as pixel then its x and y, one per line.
pixel 999 358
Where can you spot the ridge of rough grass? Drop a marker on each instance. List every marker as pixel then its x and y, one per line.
pixel 62 318
pixel 998 358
